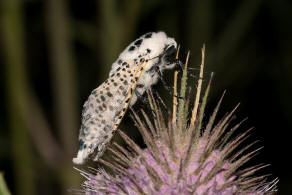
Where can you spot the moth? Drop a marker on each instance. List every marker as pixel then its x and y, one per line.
pixel 137 68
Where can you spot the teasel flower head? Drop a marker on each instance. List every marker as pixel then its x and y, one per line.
pixel 181 156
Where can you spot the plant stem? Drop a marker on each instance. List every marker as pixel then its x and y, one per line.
pixel 16 87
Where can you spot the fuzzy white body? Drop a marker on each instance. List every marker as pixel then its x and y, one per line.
pixel 105 106
pixel 156 43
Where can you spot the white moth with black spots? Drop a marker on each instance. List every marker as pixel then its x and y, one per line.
pixel 138 67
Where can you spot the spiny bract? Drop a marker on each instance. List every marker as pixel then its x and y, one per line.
pixel 138 67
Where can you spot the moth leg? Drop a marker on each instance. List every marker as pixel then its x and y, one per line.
pixel 155 93
pixel 169 89
pixel 162 80
pixel 145 102
pixel 179 97
pixel 179 64
pixel 140 96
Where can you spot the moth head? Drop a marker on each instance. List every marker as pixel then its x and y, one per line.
pixel 168 58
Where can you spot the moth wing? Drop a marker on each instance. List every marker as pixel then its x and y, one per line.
pixel 105 102
pixel 134 80
pixel 105 108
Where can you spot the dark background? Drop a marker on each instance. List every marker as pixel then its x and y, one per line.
pixel 54 52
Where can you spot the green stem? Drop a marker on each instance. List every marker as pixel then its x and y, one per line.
pixel 3 187
pixel 64 87
pixel 63 74
pixel 182 98
pixel 16 95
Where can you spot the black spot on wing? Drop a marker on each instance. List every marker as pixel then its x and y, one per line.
pixel 140 86
pixel 93 92
pixel 106 128
pixel 138 42
pixel 132 48
pixel 109 94
pixel 121 88
pixel 148 35
pixel 102 98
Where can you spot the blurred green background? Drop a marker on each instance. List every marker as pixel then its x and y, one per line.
pixel 54 52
